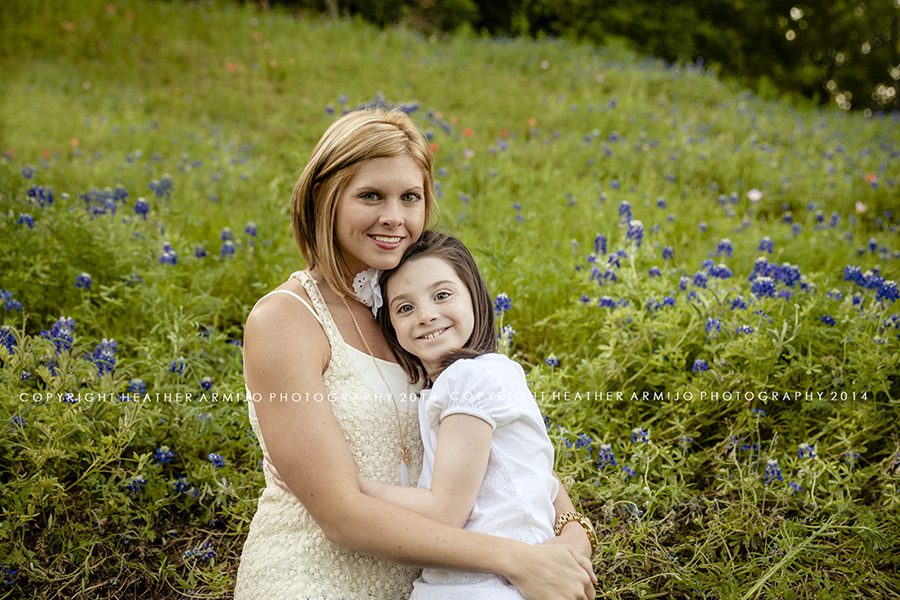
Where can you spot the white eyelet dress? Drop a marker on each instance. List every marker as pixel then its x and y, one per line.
pixel 286 555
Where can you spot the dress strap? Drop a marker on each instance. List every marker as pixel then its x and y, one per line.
pixel 321 308
pixel 302 301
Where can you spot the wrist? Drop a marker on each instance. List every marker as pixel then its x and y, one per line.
pixel 576 518
pixel 574 535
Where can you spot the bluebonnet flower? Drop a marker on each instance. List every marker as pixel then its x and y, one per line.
pixel 628 472
pixel 228 249
pixel 584 441
pixel 806 450
pixel 773 471
pixel 200 252
pixel 61 334
pixel 850 457
pixel 104 356
pixel 606 302
pixel 162 187
pixel 692 297
pixel 887 291
pixel 137 386
pixel 141 208
pixel 206 383
pixel 720 272
pixel 136 484
pixel 640 435
pixel 763 287
pixel 700 365
pixel 707 264
pixel 873 245
pixel 178 365
pixel 163 455
pixel 584 299
pixel 217 461
pixel 683 282
pixel 836 294
pixel 8 302
pixel 226 235
pixel 766 245
pixel 502 304
pixel 600 244
pixel 27 171
pixel 725 247
pixel 635 232
pixel 745 329
pixel 517 206
pixel 552 361
pixel 667 253
pixel 700 279
pixel 758 412
pixel 40 195
pixel 703 226
pixel 250 229
pixel 7 339
pixel 713 327
pixel 654 272
pixel 169 256
pixel 605 457
pixel 625 211
pixel 69 398
pixel 206 552
pixel 26 219
pixel 614 184
pixel 182 485
pixel 668 301
pixel 84 281
pixel 795 487
pixel 828 320
pixel 25 376
pixel 785 294
pixel 19 421
pixel 660 202
pixel 795 229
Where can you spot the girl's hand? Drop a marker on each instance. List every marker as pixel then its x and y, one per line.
pixel 552 571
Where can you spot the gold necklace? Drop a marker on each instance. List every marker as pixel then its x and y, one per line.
pixel 405 455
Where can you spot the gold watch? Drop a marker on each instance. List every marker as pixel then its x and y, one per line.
pixel 581 520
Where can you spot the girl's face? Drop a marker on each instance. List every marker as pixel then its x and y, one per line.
pixel 380 212
pixel 430 309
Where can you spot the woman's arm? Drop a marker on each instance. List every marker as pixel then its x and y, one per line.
pixel 285 351
pixel 460 462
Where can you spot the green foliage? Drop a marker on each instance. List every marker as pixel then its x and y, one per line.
pixel 538 143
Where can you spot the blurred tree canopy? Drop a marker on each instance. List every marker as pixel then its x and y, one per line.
pixel 845 52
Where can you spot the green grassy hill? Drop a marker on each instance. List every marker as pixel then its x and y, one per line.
pixel 623 204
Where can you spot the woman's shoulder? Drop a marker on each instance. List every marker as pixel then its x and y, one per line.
pixel 287 310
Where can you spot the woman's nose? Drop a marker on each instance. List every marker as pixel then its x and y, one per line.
pixel 392 215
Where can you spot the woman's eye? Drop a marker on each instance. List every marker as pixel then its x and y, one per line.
pixel 411 197
pixel 369 196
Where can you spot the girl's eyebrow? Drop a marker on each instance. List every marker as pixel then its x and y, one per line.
pixel 433 285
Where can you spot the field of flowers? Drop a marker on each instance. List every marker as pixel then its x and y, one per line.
pixel 701 285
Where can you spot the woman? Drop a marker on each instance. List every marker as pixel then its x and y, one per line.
pixel 332 405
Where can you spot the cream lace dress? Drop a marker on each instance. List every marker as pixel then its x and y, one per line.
pixel 286 555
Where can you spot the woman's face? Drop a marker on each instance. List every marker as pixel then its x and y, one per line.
pixel 381 212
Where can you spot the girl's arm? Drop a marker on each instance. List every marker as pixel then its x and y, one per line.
pixel 460 462
pixel 572 533
pixel 285 351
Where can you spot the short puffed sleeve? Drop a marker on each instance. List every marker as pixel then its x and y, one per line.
pixel 467 387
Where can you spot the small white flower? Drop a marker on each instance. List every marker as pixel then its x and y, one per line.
pixel 366 287
pixel 754 195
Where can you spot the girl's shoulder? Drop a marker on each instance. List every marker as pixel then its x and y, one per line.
pixel 492 366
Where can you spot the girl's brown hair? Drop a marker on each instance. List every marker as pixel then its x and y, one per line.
pixel 356 137
pixel 484 336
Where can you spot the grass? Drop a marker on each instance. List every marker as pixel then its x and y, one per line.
pixel 538 145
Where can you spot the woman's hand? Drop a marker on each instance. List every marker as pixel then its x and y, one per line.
pixel 552 571
pixel 573 535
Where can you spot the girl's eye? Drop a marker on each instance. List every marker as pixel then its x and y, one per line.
pixel 442 295
pixel 410 197
pixel 404 308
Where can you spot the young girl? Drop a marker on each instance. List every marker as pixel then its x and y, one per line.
pixel 488 463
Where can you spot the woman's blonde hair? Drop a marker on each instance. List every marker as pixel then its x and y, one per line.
pixel 356 137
